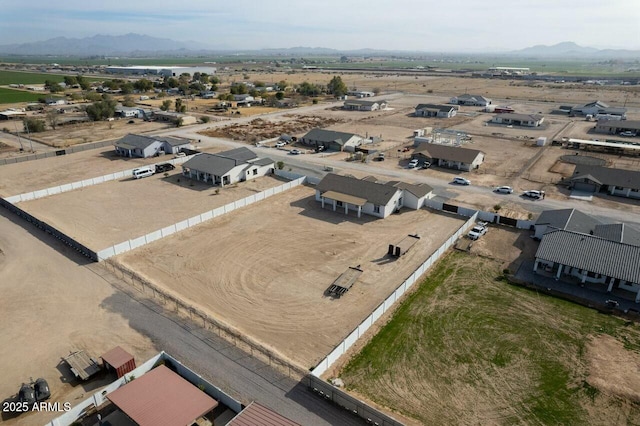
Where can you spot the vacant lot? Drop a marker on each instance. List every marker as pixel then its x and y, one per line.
pixel 102 215
pixel 94 131
pixel 263 269
pixel 51 304
pixel 468 348
pixel 32 175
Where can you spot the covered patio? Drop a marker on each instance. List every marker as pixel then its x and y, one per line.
pixel 339 199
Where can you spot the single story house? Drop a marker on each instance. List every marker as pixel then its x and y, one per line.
pixel 228 167
pixel 173 117
pixel 128 112
pixel 330 139
pixel 527 120
pixel 370 196
pixel 149 146
pixel 566 220
pixel 452 157
pixel 431 110
pixel 472 100
pixel 12 114
pixel 598 107
pixel 614 127
pixel 358 105
pixel 620 182
pixel 590 258
pixel 360 93
pixel 243 98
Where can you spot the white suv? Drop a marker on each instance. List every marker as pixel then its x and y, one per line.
pixel 461 181
pixel 413 164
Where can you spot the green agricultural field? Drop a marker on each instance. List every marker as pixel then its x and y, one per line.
pixel 468 348
pixel 19 77
pixel 10 96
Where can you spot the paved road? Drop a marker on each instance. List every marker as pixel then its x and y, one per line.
pixel 238 374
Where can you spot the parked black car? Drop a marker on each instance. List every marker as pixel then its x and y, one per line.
pixel 42 391
pixel 164 167
pixel 26 394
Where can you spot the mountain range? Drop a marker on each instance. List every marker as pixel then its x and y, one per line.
pixel 136 45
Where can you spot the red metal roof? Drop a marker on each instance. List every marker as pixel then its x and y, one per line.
pixel 117 357
pixel 161 397
pixel 259 415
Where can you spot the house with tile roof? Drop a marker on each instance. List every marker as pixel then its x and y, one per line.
pixel 228 167
pixel 369 195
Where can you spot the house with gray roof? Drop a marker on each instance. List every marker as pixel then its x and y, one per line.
pixel 369 195
pixel 598 107
pixel 360 105
pixel 619 182
pixel 472 100
pixel 432 110
pixel 228 167
pixel 614 127
pixel 149 146
pixel 331 139
pixel 513 119
pixel 578 247
pixel 452 157
pixel 564 219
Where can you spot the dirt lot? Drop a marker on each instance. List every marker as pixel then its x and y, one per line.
pixel 102 215
pixel 51 305
pixel 39 174
pixel 74 134
pixel 259 129
pixel 269 283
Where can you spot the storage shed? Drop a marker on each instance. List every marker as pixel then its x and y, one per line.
pixel 119 360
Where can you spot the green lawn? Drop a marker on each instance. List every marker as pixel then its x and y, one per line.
pixel 468 348
pixel 10 96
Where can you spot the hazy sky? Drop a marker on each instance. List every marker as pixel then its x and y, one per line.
pixel 443 25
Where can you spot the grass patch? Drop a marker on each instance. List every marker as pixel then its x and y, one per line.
pixel 467 348
pixel 10 96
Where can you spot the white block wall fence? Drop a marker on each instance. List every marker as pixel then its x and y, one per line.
pixel 134 243
pixel 27 196
pixel 383 307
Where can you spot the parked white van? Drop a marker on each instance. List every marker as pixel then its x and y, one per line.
pixel 143 172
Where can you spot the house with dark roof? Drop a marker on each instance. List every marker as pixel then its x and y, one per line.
pixel 565 220
pixel 148 146
pixel 360 105
pixel 578 247
pixel 431 110
pixel 614 127
pixel 330 139
pixel 471 100
pixel 620 182
pixel 598 107
pixel 452 157
pixel 513 119
pixel 369 195
pixel 228 167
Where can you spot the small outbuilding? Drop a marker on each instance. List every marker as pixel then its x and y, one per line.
pixel 162 397
pixel 119 361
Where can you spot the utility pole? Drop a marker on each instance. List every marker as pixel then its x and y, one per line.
pixel 29 136
pixel 18 135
